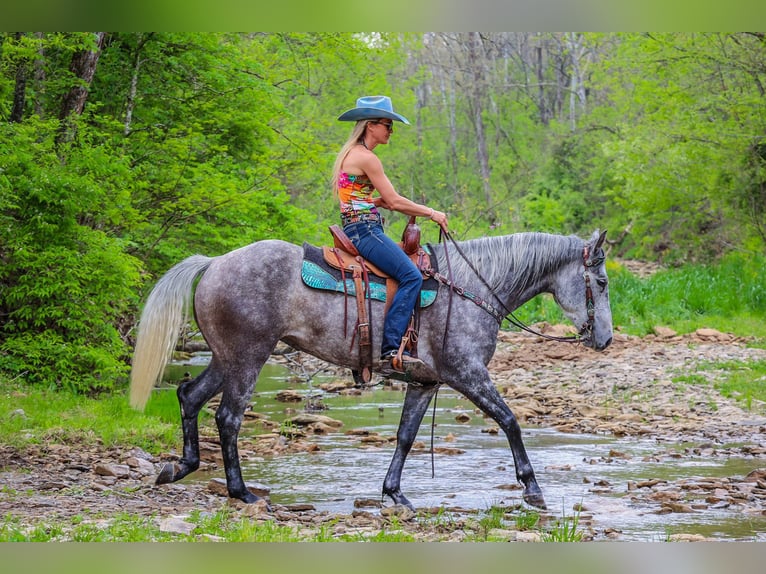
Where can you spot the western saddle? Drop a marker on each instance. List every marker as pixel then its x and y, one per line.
pixel 344 256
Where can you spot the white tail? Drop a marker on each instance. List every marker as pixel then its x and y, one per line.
pixel 165 313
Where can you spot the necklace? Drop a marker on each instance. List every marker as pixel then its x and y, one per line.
pixel 364 143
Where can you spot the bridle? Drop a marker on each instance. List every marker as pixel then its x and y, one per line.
pixel 588 264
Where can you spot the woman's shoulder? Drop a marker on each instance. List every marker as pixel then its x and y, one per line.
pixel 359 161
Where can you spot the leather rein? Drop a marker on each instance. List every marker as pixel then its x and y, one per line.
pixel 588 264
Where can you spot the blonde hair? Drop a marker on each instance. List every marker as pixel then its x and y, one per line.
pixel 355 138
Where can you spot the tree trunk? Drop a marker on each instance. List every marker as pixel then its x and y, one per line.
pixel 39 77
pixel 137 61
pixel 83 67
pixel 477 61
pixel 20 88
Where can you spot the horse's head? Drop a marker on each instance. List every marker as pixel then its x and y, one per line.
pixel 583 294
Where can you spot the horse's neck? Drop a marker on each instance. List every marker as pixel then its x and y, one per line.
pixel 515 267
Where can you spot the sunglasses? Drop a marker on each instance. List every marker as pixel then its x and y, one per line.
pixel 389 126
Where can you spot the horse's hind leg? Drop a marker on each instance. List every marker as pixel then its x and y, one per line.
pixel 192 396
pixel 485 396
pixel 237 392
pixel 416 402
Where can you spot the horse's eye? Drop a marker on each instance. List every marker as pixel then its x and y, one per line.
pixel 602 283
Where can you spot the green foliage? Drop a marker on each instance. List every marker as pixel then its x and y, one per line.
pixel 730 296
pixel 204 142
pixel 66 281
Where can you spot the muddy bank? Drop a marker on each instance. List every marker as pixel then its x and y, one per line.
pixel 638 387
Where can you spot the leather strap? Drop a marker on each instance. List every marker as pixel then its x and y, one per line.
pixel 361 281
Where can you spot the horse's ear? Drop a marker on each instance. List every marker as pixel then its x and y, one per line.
pixel 600 240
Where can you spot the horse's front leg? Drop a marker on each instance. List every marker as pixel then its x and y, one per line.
pixel 485 396
pixel 192 396
pixel 416 402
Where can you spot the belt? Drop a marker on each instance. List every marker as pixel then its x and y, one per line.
pixel 368 217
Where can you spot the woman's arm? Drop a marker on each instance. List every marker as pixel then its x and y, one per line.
pixel 390 199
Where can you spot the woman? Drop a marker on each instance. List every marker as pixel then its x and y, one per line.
pixel 357 174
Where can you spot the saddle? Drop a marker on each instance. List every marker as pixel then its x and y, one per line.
pixel 344 256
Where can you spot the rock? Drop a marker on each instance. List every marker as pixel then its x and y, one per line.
pixel 756 475
pixel 713 335
pixel 398 511
pixel 115 470
pixel 367 502
pixel 336 386
pixel 218 486
pixel 321 428
pixel 142 466
pixel 664 332
pixel 305 419
pixel 527 536
pixel 300 507
pixel 462 418
pixel 176 525
pixel 289 396
pixel 683 537
pixel 678 507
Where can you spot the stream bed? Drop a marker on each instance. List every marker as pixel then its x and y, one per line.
pixel 589 476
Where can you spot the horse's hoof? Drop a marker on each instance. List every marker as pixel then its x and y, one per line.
pixel 166 474
pixel 534 497
pixel 398 498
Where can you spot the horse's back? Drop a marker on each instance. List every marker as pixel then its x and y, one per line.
pixel 255 276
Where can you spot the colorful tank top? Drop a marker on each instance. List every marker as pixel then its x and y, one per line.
pixel 355 194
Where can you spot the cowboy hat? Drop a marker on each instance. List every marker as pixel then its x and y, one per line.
pixel 371 108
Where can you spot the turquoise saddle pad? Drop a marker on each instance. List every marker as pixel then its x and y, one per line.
pixel 316 273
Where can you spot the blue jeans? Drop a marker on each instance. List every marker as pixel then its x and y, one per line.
pixel 380 250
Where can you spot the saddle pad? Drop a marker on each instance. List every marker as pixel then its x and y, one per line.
pixel 317 274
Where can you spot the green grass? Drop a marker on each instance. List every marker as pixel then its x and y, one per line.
pixel 565 529
pixel 729 296
pixel 742 381
pixel 34 415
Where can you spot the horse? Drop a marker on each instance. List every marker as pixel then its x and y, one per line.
pixel 248 300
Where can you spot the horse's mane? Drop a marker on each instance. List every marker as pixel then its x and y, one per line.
pixel 509 263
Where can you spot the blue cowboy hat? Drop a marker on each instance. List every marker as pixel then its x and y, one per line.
pixel 372 108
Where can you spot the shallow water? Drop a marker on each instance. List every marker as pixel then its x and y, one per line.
pixel 572 469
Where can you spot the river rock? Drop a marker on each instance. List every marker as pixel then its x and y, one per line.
pixel 289 396
pixel 305 419
pixel 115 470
pixel 756 475
pixel 398 511
pixel 218 486
pixel 142 466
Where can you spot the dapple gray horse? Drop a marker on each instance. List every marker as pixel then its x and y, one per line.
pixel 249 299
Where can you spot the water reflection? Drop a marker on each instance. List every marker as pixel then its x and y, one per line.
pixel 572 469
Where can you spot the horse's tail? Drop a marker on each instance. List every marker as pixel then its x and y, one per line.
pixel 165 312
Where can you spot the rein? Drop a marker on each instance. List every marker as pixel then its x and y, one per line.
pixel 500 316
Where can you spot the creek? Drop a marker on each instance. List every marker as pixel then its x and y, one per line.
pixel 583 475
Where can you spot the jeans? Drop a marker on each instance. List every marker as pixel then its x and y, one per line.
pixel 380 250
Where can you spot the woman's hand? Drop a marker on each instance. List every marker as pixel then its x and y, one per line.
pixel 439 217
